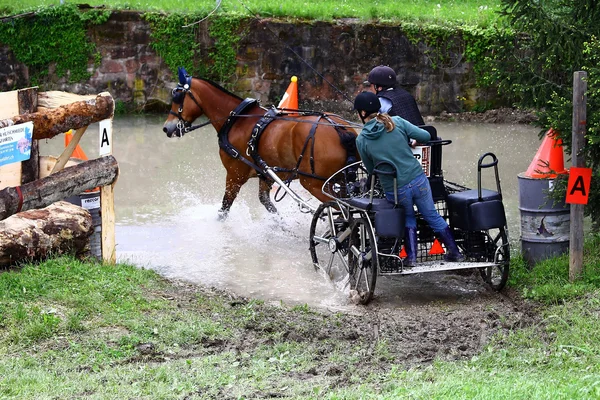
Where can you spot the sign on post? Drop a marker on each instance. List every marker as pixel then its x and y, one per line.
pixel 107 202
pixel 423 155
pixel 15 143
pixel 578 187
pixel 105 137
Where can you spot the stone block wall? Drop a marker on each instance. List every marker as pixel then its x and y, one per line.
pixel 331 61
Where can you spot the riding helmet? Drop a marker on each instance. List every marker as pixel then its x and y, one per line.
pixel 382 76
pixel 367 101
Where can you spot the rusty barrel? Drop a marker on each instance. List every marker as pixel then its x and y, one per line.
pixel 545 223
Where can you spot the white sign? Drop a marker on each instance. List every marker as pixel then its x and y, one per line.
pixel 423 155
pixel 105 137
pixel 91 203
pixel 15 143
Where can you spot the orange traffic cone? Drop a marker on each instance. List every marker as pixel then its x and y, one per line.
pixel 290 98
pixel 78 152
pixel 403 253
pixel 436 248
pixel 548 162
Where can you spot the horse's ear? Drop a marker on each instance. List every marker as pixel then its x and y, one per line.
pixel 182 75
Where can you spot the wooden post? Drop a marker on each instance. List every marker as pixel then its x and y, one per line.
pixel 107 201
pixel 578 160
pixel 10 174
pixel 30 169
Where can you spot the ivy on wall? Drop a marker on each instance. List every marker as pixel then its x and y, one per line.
pixel 178 45
pixel 224 30
pixel 54 36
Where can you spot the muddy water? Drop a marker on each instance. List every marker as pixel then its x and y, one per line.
pixel 169 191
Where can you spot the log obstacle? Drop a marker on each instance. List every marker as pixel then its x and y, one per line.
pixel 50 122
pixel 60 185
pixel 53 113
pixel 35 234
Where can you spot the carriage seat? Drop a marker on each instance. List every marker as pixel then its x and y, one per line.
pixel 363 204
pixel 389 221
pixel 467 212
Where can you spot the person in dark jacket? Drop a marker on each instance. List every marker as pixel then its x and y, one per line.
pixel 386 138
pixel 395 101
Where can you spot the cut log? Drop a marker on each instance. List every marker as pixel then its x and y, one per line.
pixel 48 123
pixel 32 235
pixel 60 185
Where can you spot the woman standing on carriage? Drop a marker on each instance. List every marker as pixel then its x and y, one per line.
pixel 385 138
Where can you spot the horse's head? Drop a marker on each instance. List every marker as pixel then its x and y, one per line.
pixel 182 112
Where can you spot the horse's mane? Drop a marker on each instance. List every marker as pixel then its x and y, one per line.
pixel 220 87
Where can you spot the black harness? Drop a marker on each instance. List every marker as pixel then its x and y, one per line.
pixel 259 164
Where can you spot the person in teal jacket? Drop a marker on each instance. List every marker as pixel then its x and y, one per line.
pixel 385 138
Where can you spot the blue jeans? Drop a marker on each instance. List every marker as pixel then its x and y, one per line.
pixel 418 192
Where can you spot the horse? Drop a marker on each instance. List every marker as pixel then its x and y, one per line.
pixel 302 145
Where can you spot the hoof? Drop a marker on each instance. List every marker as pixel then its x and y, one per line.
pixel 222 216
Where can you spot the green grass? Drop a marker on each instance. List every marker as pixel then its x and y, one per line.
pixel 474 12
pixel 548 281
pixel 76 329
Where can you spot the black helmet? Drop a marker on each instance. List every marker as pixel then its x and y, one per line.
pixel 367 101
pixel 382 76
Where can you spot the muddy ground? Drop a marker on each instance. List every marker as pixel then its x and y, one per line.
pixel 417 326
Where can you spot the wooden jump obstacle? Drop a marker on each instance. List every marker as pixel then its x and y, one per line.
pixel 24 187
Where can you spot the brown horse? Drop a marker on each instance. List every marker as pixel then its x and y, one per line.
pixel 303 145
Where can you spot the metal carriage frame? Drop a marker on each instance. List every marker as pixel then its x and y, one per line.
pixel 346 244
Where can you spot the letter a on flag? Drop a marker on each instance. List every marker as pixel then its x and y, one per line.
pixel 578 188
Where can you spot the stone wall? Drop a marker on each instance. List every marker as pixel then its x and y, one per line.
pixel 331 61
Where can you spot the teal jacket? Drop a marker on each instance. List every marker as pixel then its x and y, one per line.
pixel 375 144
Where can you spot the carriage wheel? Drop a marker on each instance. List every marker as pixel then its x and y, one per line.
pixel 327 251
pixel 362 261
pixel 497 251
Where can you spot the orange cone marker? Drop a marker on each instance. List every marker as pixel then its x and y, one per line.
pixel 290 98
pixel 78 152
pixel 436 248
pixel 548 162
pixel 403 253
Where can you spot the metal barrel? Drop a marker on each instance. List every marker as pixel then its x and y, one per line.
pixel 91 202
pixel 545 223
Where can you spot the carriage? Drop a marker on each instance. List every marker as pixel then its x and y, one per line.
pixel 358 235
pixel 355 233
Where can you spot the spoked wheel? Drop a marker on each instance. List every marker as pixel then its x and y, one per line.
pixel 363 262
pixel 497 251
pixel 327 251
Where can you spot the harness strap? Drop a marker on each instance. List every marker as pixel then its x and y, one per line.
pixel 223 133
pixel 310 137
pixel 257 132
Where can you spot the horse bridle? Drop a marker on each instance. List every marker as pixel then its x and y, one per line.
pixel 178 97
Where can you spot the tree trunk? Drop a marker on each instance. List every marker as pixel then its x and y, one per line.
pixel 68 182
pixel 35 234
pixel 48 123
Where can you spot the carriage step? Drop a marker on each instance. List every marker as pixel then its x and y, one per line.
pixel 434 266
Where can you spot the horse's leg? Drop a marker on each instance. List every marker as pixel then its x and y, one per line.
pixel 233 183
pixel 264 189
